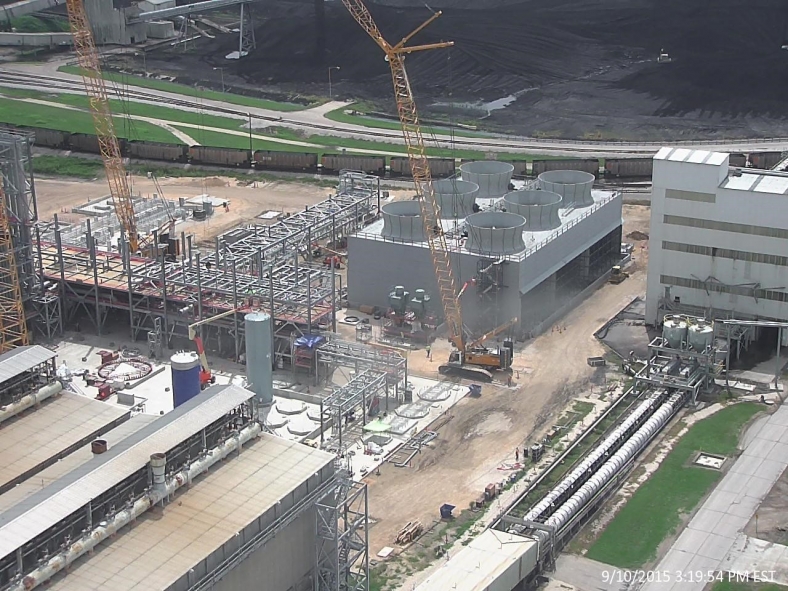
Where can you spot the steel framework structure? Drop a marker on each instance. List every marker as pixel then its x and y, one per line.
pixel 13 324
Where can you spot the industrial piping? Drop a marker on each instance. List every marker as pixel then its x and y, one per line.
pixel 160 490
pixel 26 402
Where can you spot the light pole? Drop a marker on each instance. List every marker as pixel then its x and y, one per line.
pixel 221 71
pixel 144 60
pixel 330 91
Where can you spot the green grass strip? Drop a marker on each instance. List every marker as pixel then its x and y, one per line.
pixel 735 586
pixel 165 86
pixel 654 512
pixel 79 168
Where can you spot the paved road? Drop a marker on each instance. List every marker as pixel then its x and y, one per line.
pixel 314 121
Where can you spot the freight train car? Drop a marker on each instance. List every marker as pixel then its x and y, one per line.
pixel 629 167
pixel 158 151
pixel 739 160
pixel 269 160
pixel 765 160
pixel 88 142
pixel 49 138
pixel 520 167
pixel 368 164
pixel 220 156
pixel 586 165
pixel 439 167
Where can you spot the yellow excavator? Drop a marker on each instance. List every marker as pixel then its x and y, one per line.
pixel 469 359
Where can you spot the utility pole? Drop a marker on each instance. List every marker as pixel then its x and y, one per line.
pixel 330 91
pixel 221 71
pixel 251 149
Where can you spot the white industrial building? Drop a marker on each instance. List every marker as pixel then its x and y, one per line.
pixel 526 253
pixel 718 244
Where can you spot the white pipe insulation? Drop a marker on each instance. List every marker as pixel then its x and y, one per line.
pixel 26 402
pixel 586 464
pixel 610 468
pixel 158 493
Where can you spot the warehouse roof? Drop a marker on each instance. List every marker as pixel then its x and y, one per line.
pixel 692 156
pixel 33 516
pixel 23 359
pixel 488 558
pixel 31 442
pixel 757 182
pixel 203 521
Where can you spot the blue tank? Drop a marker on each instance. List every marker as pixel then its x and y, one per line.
pixel 185 377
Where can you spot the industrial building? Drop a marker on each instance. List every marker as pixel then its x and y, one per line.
pixel 718 241
pixel 94 498
pixel 526 253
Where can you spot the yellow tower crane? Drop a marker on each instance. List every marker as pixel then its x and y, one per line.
pixel 88 59
pixel 13 327
pixel 467 354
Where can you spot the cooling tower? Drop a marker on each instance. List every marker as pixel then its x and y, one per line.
pixel 455 197
pixel 495 233
pixel 539 208
pixel 574 186
pixel 491 176
pixel 402 221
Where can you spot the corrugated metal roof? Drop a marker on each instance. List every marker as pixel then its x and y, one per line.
pixel 22 359
pixel 31 517
pixel 692 156
pixel 757 183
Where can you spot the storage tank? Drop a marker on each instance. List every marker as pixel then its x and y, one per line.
pixel 674 331
pixel 495 233
pixel 455 197
pixel 574 186
pixel 539 208
pixel 259 364
pixel 185 377
pixel 700 335
pixel 492 177
pixel 402 221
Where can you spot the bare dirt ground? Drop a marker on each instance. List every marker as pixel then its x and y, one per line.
pixel 482 433
pixel 246 202
pixel 772 515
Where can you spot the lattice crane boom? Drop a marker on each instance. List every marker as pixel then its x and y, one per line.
pixel 88 58
pixel 13 325
pixel 419 165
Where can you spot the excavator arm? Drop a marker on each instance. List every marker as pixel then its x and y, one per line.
pixel 414 142
pixel 88 58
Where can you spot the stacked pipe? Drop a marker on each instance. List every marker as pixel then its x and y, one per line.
pixel 634 445
pixel 539 510
pixel 30 400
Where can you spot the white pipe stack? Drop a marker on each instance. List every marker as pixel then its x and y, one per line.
pixel 30 400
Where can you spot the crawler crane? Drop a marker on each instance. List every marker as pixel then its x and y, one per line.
pixel 469 359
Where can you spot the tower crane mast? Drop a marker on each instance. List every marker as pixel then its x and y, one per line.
pixel 88 58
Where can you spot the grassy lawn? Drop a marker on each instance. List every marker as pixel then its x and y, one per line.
pixel 340 116
pixel 165 86
pixel 16 112
pixel 80 168
pixel 732 586
pixel 675 489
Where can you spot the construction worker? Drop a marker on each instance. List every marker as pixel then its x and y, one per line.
pixel 429 352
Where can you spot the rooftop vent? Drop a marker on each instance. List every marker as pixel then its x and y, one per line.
pixel 574 186
pixel 455 197
pixel 495 232
pixel 491 176
pixel 539 208
pixel 402 221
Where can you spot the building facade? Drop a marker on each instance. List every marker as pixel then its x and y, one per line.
pixel 719 239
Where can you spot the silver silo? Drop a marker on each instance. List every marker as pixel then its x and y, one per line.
pixel 259 368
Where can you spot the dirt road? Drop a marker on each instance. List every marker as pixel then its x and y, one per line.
pixel 246 202
pixel 482 433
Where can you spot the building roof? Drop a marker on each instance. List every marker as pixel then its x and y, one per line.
pixel 486 559
pixel 30 442
pixel 23 359
pixel 200 520
pixel 84 454
pixel 692 156
pixel 757 182
pixel 33 516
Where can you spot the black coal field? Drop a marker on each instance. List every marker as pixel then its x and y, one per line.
pixel 562 68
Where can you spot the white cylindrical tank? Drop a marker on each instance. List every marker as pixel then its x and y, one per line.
pixel 700 335
pixel 674 331
pixel 574 186
pixel 492 177
pixel 495 232
pixel 185 367
pixel 259 368
pixel 455 197
pixel 402 221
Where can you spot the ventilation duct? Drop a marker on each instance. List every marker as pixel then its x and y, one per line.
pixel 491 176
pixel 574 186
pixel 495 233
pixel 402 221
pixel 455 197
pixel 539 208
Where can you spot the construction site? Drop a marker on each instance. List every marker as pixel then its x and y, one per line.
pixel 348 383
